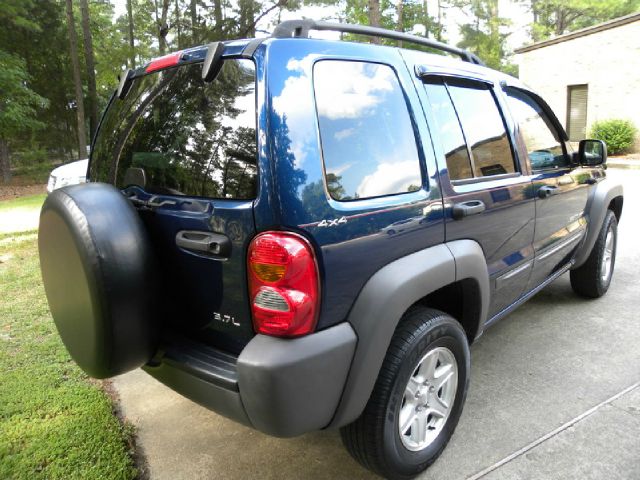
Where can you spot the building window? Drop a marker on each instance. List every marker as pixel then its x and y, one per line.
pixel 577 112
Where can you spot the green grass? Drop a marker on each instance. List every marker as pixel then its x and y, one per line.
pixel 30 201
pixel 55 423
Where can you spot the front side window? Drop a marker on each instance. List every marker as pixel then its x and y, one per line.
pixel 174 134
pixel 368 141
pixel 544 147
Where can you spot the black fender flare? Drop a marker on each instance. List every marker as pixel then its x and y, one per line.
pixel 597 205
pixel 386 297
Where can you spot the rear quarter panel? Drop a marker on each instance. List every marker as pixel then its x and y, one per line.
pixel 351 251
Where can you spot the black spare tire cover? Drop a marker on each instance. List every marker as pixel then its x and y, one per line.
pixel 98 272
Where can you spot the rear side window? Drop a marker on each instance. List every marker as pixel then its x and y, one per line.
pixel 175 134
pixel 482 126
pixel 368 141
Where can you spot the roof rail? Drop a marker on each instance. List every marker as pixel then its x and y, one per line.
pixel 301 28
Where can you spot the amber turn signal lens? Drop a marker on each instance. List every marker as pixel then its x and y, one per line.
pixel 268 272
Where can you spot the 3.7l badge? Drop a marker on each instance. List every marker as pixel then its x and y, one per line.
pixel 228 319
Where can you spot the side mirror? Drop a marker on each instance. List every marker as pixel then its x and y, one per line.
pixel 592 153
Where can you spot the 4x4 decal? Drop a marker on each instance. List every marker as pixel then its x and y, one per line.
pixel 332 223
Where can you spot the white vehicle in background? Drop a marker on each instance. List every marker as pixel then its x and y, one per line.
pixel 68 174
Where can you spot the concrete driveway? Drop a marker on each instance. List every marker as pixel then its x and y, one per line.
pixel 555 393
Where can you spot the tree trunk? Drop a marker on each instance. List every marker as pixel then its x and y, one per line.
pixel 132 48
pixel 439 27
pixel 163 27
pixel 426 21
pixel 374 17
pixel 247 18
pixel 193 10
pixel 73 50
pixel 217 17
pixel 5 164
pixel 91 69
pixel 178 25
pixel 400 26
pixel 493 22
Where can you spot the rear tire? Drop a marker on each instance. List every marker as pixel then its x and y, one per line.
pixel 592 279
pixel 425 341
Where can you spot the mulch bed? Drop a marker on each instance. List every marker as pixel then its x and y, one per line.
pixel 9 192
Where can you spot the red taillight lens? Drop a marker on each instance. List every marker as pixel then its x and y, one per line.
pixel 283 284
pixel 164 62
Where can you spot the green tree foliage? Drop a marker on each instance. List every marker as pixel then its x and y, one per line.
pixel 19 106
pixel 425 18
pixel 556 17
pixel 34 44
pixel 19 103
pixel 484 35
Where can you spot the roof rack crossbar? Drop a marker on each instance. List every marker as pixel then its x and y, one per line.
pixel 301 28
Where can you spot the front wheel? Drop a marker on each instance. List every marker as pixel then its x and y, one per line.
pixel 592 279
pixel 417 399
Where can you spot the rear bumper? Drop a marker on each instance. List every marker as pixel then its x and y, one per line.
pixel 282 387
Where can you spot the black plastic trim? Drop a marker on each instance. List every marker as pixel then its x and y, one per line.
pixel 293 386
pixel 203 361
pixel 387 296
pixel 213 61
pixel 500 315
pixel 301 29
pixel 600 198
pixel 126 80
pixel 251 48
pixel 282 387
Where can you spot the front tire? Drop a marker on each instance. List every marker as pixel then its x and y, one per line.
pixel 417 399
pixel 592 279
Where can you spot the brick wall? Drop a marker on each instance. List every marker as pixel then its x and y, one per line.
pixel 607 61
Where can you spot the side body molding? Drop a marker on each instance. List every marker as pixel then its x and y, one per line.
pixel 599 199
pixel 385 298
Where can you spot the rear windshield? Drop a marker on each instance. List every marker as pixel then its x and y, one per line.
pixel 175 134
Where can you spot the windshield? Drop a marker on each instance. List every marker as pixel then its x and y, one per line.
pixel 175 134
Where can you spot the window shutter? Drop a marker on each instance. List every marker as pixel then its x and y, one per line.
pixel 577 113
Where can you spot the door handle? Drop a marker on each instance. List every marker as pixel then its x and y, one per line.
pixel 464 209
pixel 547 191
pixel 207 243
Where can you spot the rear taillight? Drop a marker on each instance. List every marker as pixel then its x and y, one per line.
pixel 283 284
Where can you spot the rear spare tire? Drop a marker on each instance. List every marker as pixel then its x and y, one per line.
pixel 98 274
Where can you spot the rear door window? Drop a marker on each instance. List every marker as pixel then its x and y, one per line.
pixel 468 111
pixel 368 140
pixel 450 133
pixel 483 127
pixel 174 134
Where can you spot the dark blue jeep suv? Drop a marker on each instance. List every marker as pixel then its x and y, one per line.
pixel 304 234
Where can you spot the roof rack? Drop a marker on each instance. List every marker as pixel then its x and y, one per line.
pixel 301 28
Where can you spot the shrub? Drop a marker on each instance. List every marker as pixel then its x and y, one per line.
pixel 619 135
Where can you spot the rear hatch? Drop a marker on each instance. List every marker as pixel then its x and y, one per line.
pixel 184 152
